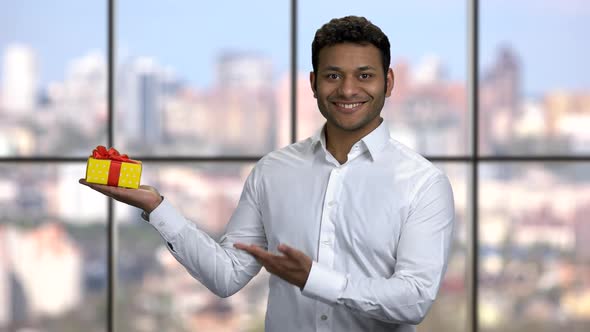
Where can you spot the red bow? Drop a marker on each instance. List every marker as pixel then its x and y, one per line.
pixel 102 153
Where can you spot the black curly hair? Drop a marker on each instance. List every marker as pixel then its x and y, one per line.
pixel 353 29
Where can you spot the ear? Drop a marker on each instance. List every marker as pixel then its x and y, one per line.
pixel 390 80
pixel 312 83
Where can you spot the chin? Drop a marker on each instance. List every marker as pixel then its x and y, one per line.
pixel 351 126
pixel 355 125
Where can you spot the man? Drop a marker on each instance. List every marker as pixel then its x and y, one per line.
pixel 354 228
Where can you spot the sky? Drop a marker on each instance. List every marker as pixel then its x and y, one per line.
pixel 188 36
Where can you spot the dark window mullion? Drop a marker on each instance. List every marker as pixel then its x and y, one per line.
pixel 473 60
pixel 293 71
pixel 182 159
pixel 111 230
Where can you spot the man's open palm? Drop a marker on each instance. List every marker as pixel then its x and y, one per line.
pixel 145 197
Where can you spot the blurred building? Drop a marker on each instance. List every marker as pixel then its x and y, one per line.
pixel 500 96
pixel 5 289
pixel 192 305
pixel 187 122
pixel 543 228
pixel 426 111
pixel 582 234
pixel 144 89
pixel 49 266
pixel 19 80
pixel 429 71
pixel 568 115
pixel 244 105
pixel 309 118
pixel 83 206
pixel 40 273
pixel 206 199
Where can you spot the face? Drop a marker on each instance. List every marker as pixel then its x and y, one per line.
pixel 351 87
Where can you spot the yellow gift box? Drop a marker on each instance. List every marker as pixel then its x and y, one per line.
pixel 113 169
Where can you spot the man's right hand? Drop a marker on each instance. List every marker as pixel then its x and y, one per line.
pixel 146 198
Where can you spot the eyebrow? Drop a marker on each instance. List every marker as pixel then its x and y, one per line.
pixel 336 68
pixel 365 68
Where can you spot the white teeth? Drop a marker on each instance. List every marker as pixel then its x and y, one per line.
pixel 349 105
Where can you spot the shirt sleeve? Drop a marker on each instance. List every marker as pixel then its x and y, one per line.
pixel 218 265
pixel 422 256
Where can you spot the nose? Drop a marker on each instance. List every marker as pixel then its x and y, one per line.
pixel 348 87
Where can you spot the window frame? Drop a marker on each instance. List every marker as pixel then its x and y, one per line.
pixel 472 160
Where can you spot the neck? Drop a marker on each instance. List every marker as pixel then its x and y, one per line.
pixel 339 141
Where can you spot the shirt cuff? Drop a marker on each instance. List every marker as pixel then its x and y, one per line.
pixel 324 284
pixel 167 220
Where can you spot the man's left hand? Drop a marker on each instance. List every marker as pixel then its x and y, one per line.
pixel 293 266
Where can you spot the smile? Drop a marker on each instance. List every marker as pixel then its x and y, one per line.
pixel 349 107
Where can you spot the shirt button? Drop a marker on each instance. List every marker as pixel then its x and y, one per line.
pixel 332 203
pixel 324 317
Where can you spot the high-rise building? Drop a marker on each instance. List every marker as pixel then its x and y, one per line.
pixel 86 80
pixel 504 77
pixel 500 98
pixel 19 81
pixel 141 97
pixel 244 104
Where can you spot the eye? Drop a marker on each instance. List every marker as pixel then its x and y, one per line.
pixel 365 76
pixel 332 76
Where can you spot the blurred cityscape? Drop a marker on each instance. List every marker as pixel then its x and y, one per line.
pixel 534 235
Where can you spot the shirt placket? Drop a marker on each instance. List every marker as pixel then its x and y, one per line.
pixel 327 239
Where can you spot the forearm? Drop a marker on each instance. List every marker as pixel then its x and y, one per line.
pixel 220 267
pixel 399 299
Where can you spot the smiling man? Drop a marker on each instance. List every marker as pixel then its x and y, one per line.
pixel 354 227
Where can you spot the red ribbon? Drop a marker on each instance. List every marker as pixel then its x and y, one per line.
pixel 116 158
pixel 102 153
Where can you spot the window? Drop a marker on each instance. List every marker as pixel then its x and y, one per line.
pixel 533 141
pixel 201 91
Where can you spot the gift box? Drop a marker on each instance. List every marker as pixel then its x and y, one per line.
pixel 112 168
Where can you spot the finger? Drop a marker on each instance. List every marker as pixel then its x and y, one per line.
pixel 91 185
pixel 114 192
pixel 101 188
pixel 289 251
pixel 86 183
pixel 149 188
pixel 256 251
pixel 240 245
pixel 104 191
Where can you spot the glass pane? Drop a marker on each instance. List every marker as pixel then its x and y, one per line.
pixel 450 310
pixel 534 255
pixel 155 292
pixel 202 78
pixel 52 250
pixel 52 77
pixel 427 110
pixel 534 82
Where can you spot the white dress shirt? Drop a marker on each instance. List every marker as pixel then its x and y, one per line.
pixel 378 229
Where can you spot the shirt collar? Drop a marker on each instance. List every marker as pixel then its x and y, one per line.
pixel 374 141
pixel 319 138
